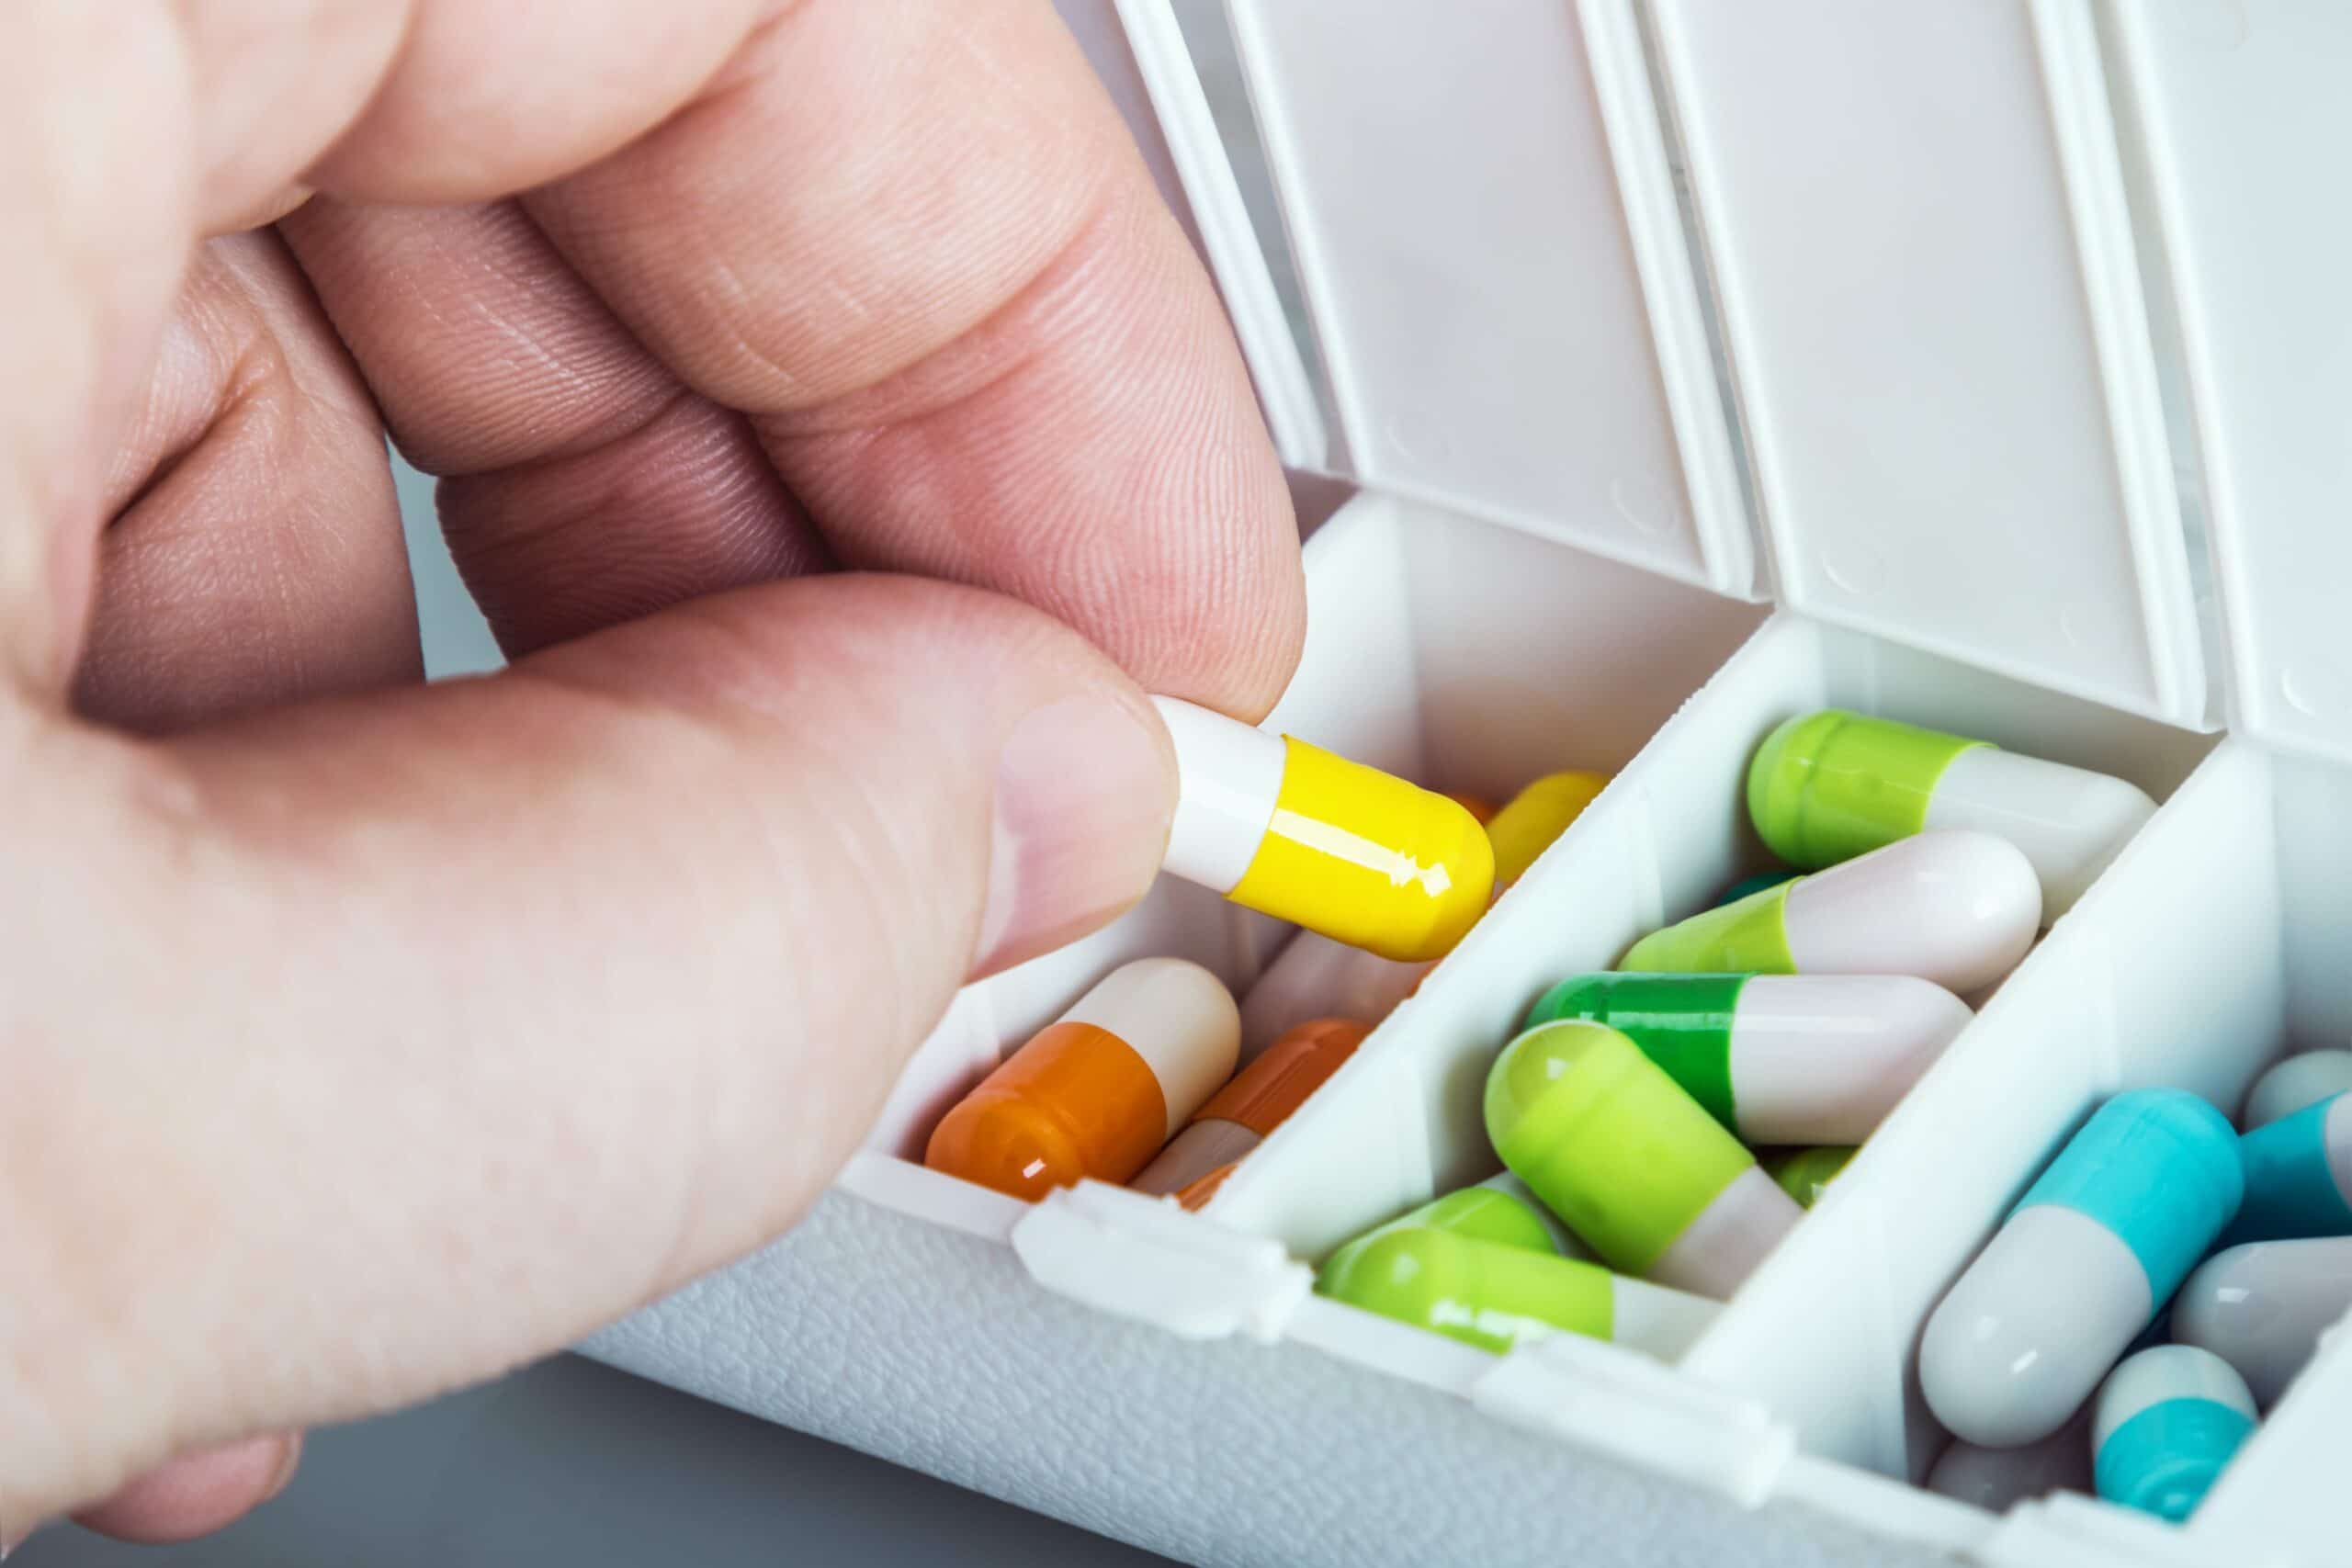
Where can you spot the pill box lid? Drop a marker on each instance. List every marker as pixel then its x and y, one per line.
pixel 2236 110
pixel 1911 357
pixel 1418 224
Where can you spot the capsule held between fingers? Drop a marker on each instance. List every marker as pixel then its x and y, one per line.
pixel 1289 829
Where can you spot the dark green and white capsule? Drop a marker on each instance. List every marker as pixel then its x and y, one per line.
pixel 1775 1058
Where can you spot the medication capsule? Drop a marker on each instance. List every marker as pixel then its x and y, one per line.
pixel 1775 1058
pixel 2293 1082
pixel 1613 1145
pixel 2297 1175
pixel 2261 1307
pixel 1501 1209
pixel 2097 1244
pixel 1495 1296
pixel 1098 1092
pixel 1830 785
pixel 2169 1421
pixel 1293 832
pixel 1956 909
pixel 1804 1174
pixel 1314 977
pixel 1759 883
pixel 1261 1097
pixel 1998 1479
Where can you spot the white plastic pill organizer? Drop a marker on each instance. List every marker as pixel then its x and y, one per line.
pixel 2003 346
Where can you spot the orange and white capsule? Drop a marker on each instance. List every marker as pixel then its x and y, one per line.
pixel 1096 1093
pixel 1261 1097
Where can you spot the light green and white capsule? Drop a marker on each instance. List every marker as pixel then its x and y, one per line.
pixel 1485 1265
pixel 1957 909
pixel 1611 1144
pixel 1827 787
pixel 1805 1174
pixel 1776 1058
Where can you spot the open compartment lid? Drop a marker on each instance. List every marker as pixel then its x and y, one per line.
pixel 1915 219
pixel 1500 332
pixel 2244 114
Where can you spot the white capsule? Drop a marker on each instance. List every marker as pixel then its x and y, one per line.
pixel 2026 1332
pixel 2261 1307
pixel 1998 1479
pixel 1956 909
pixel 2070 822
pixel 2293 1082
pixel 1314 977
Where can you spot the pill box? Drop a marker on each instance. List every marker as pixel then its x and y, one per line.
pixel 1694 362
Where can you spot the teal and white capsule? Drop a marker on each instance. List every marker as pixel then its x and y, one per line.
pixel 1775 1058
pixel 2095 1247
pixel 2292 1082
pixel 2169 1421
pixel 2297 1175
pixel 1956 909
pixel 1827 787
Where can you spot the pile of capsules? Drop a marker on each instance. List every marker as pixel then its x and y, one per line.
pixel 1631 1111
pixel 2046 1360
pixel 1136 1082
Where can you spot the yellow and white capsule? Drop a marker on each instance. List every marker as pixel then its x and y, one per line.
pixel 1293 832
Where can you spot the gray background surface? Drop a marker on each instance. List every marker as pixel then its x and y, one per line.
pixel 571 1462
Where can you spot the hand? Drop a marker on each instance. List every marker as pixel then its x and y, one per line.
pixel 841 437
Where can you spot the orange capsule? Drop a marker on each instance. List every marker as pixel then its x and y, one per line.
pixel 1098 1092
pixel 1478 805
pixel 1259 1100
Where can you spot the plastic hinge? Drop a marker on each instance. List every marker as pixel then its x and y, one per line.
pixel 1148 1259
pixel 1621 1401
pixel 2064 1530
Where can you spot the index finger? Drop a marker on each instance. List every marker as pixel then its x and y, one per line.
pixel 914 244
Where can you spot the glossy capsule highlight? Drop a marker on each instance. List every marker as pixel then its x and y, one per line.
pixel 1957 909
pixel 2097 1246
pixel 2261 1307
pixel 1315 977
pixel 1291 831
pixel 2297 1175
pixel 1775 1058
pixel 1242 1114
pixel 2169 1421
pixel 1097 1092
pixel 1611 1144
pixel 1827 787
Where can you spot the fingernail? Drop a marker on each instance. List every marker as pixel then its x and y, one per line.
pixel 1083 793
pixel 286 1466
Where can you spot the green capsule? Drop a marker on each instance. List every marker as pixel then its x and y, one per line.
pixel 1803 1173
pixel 1827 787
pixel 1484 1294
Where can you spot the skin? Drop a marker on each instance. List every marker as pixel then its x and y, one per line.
pixel 841 437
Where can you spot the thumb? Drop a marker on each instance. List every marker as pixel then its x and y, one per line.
pixel 372 1046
